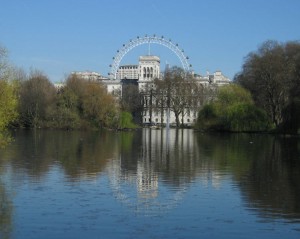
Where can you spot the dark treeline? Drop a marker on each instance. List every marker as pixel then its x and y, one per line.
pixel 272 76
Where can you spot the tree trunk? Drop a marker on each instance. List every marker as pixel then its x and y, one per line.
pixel 177 119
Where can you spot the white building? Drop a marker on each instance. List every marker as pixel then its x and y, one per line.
pixel 59 85
pixel 89 75
pixel 147 70
pixel 128 72
pixel 219 79
pixel 113 87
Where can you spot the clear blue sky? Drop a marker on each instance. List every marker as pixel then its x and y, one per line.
pixel 60 36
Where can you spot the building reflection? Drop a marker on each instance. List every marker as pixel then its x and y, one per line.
pixel 147 182
pixel 151 175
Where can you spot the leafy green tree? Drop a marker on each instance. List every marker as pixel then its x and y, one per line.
pixel 8 98
pixel 232 110
pixel 208 118
pixel 8 104
pixel 126 121
pixel 8 110
pixel 246 117
pixel 8 93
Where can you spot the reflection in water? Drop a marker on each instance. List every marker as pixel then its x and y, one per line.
pixel 266 168
pixel 6 211
pixel 272 185
pixel 5 138
pixel 139 177
pixel 150 173
pixel 150 177
pixel 79 154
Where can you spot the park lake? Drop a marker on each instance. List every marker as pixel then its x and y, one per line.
pixel 148 184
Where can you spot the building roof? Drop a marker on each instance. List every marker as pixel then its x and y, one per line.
pixel 149 58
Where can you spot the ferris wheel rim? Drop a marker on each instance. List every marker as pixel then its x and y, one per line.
pixel 133 43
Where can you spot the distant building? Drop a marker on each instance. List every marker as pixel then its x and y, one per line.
pixel 219 79
pixel 59 85
pixel 128 72
pixel 142 76
pixel 113 87
pixel 149 70
pixel 216 78
pixel 89 75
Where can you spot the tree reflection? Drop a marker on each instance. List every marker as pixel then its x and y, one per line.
pixel 6 206
pixel 273 181
pixel 78 153
pixel 5 138
pixel 265 167
pixel 6 213
pixel 146 170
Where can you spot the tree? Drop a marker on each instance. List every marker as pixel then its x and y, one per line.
pixel 272 75
pixel 291 119
pixel 87 102
pixel 8 103
pixel 8 93
pixel 131 101
pixel 98 106
pixel 63 114
pixel 8 98
pixel 4 67
pixel 232 110
pixel 126 121
pixel 179 92
pixel 77 86
pixel 37 94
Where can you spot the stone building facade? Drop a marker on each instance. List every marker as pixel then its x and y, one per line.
pixel 142 76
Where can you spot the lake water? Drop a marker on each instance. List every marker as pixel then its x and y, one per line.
pixel 57 184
